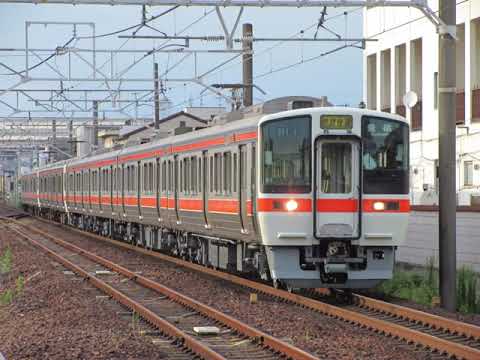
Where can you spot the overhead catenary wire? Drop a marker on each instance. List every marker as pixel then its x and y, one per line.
pixel 354 44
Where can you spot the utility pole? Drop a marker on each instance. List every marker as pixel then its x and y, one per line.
pixel 95 124
pixel 247 47
pixel 54 137
pixel 157 94
pixel 70 137
pixel 447 156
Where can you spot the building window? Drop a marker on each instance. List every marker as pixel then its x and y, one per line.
pixel 435 90
pixel 468 173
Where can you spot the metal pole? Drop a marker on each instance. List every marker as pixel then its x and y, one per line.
pixel 247 47
pixel 156 94
pixel 70 137
pixel 95 124
pixel 447 157
pixel 54 136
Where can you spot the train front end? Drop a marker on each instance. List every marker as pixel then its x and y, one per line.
pixel 333 195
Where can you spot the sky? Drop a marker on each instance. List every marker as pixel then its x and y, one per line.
pixel 279 69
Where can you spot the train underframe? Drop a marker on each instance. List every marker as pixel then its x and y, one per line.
pixel 288 267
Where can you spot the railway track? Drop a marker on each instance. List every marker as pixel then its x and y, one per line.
pixel 443 336
pixel 178 317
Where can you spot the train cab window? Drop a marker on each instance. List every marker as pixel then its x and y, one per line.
pixel 286 155
pixel 385 156
pixel 336 168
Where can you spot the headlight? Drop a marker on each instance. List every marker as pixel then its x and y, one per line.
pixel 291 205
pixel 378 206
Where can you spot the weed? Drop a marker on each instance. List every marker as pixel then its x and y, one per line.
pixel 135 320
pixel 467 298
pixel 6 297
pixel 19 285
pixel 6 261
pixel 422 287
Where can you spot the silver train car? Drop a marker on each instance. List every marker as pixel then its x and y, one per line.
pixel 309 198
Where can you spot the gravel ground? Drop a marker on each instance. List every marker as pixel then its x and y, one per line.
pixel 51 319
pixel 321 335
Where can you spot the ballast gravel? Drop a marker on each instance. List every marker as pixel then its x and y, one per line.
pixel 321 335
pixel 56 315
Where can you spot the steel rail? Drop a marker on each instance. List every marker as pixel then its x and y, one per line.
pixel 167 328
pixel 424 318
pixel 264 339
pixel 392 329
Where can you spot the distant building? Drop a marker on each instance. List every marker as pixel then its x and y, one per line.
pixel 405 58
pixel 173 124
pixel 204 112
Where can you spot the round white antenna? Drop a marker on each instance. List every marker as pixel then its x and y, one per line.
pixel 410 99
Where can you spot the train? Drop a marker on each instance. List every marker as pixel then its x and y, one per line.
pixel 301 195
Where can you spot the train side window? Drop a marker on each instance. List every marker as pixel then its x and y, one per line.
pixel 132 178
pixel 164 176
pixel 243 175
pixel 227 172
pixel 211 174
pixel 235 171
pixel 217 180
pixel 194 176
pixel 151 177
pixel 186 172
pixel 170 175
pixel 200 175
pixel 137 183
pixel 126 176
pixel 145 177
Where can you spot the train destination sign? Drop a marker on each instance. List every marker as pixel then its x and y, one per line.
pixel 336 122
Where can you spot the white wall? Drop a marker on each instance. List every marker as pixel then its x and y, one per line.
pixel 396 27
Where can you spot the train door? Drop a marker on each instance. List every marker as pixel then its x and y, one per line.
pixel 253 187
pixel 169 201
pixel 158 186
pixel 204 186
pixel 123 192
pixel 176 181
pixel 242 191
pixel 111 182
pixel 337 190
pixel 139 188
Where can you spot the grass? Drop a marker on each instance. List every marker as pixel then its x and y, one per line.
pixel 6 261
pixel 421 286
pixel 8 295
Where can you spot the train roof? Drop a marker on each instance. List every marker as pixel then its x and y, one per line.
pixel 249 122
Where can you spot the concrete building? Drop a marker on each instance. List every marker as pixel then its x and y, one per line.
pixel 405 58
